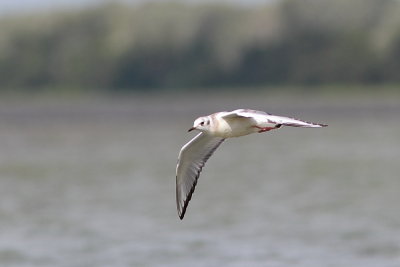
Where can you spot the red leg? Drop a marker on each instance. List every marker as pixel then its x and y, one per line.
pixel 264 129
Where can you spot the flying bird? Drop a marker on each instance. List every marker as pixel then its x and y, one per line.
pixel 214 129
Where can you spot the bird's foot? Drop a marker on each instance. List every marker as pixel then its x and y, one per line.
pixel 264 129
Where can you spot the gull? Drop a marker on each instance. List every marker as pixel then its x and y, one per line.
pixel 214 129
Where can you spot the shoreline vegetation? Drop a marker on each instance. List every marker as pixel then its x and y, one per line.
pixel 180 47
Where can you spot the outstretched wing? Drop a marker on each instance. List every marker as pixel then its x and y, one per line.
pixel 280 120
pixel 246 113
pixel 261 116
pixel 191 160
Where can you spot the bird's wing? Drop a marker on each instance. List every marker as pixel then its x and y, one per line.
pixel 245 113
pixel 191 160
pixel 266 117
pixel 280 120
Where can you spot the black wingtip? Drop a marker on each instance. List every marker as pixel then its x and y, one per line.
pixel 185 205
pixel 182 213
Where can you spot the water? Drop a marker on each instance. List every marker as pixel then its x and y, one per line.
pixel 92 183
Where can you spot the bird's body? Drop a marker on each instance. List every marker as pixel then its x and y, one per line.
pixel 227 127
pixel 215 128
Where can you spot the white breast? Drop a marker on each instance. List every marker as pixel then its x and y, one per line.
pixel 233 127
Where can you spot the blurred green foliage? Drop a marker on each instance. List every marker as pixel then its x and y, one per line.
pixel 177 45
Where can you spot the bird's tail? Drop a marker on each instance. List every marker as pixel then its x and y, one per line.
pixel 279 120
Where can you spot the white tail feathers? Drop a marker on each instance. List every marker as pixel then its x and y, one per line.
pixel 293 122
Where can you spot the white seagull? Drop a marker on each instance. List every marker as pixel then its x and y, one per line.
pixel 214 129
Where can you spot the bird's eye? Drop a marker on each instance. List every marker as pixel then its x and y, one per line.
pixel 202 123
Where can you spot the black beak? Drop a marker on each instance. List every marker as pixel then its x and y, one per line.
pixel 191 129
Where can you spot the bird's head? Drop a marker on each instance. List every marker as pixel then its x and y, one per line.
pixel 201 124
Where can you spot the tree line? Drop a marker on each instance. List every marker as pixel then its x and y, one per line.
pixel 177 45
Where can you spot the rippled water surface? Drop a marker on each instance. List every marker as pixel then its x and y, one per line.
pixel 92 183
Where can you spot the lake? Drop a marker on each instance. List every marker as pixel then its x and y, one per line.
pixel 91 182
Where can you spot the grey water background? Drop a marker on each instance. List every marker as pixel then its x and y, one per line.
pixel 91 182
